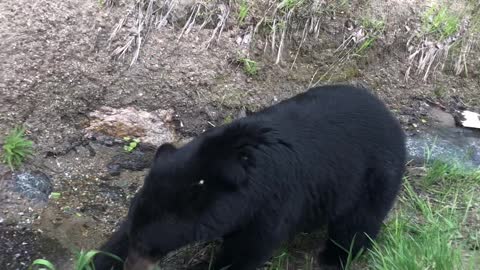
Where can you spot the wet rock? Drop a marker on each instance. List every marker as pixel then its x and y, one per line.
pixel 446 144
pixel 35 185
pixel 21 194
pixel 441 118
pixel 155 127
pixel 106 140
pixel 137 160
pixel 114 169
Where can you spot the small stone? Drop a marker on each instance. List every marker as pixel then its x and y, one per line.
pixel 114 169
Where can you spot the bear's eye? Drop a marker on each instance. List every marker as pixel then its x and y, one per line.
pixel 201 182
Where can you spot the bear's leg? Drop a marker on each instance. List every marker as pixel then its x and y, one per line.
pixel 247 250
pixel 342 231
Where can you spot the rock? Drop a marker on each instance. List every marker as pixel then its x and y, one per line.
pixel 114 169
pixel 35 185
pixel 139 159
pixel 441 118
pixel 21 194
pixel 242 113
pixel 154 127
pixel 181 10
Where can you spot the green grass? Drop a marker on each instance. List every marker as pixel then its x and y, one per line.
pixel 434 226
pixel 431 227
pixel 16 148
pixel 374 28
pixel 420 236
pixel 83 261
pixel 243 12
pixel 249 66
pixel 280 261
pixel 440 22
pixel 449 173
pixel 288 5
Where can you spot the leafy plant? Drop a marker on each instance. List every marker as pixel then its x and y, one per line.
pixel 249 66
pixel 83 261
pixel 16 148
pixel 132 144
pixel 42 264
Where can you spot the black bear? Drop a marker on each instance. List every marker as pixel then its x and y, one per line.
pixel 333 156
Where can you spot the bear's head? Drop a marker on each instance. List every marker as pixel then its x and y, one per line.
pixel 183 185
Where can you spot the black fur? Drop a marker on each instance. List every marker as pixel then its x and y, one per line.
pixel 333 156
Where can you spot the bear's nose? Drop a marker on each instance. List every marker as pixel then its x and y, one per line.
pixel 136 262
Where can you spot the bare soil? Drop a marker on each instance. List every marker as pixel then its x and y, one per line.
pixel 56 68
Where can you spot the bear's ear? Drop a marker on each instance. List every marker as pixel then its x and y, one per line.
pixel 164 150
pixel 233 150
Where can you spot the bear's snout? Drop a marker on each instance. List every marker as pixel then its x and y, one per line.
pixel 136 262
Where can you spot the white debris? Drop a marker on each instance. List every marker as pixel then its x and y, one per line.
pixel 471 119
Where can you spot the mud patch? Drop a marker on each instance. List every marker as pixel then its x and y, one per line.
pixel 20 247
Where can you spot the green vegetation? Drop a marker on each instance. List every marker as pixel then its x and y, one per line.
pixel 55 195
pixel 16 148
pixel 373 29
pixel 249 66
pixel 280 262
pixel 83 261
pixel 420 236
pixel 132 144
pixel 228 119
pixel 288 5
pixel 435 225
pixel 243 12
pixel 440 22
pixel 449 173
